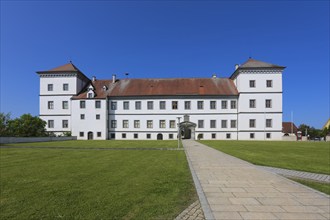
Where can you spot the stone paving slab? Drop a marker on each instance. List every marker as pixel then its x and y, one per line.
pixel 236 189
pixel 299 174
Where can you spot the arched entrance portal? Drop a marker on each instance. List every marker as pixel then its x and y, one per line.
pixel 187 128
pixel 159 136
pixel 90 135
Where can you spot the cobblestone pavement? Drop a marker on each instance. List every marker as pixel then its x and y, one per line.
pixel 299 174
pixel 236 189
pixel 193 212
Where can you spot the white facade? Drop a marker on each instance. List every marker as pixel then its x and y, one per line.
pixel 254 112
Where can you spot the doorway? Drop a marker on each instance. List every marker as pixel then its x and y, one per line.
pixel 90 135
pixel 159 137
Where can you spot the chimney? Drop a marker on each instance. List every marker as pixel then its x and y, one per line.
pixel 113 78
pixel 94 78
pixel 214 75
pixel 236 66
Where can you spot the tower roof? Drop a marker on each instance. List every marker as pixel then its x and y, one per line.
pixel 69 67
pixel 255 64
pixel 252 63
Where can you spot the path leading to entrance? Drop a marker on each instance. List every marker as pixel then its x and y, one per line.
pixel 230 188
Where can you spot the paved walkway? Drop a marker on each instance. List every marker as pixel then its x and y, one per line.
pixel 299 174
pixel 230 188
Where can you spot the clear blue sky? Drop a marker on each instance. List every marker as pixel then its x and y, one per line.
pixel 167 39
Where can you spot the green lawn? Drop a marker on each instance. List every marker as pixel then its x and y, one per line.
pixel 304 156
pixel 103 144
pixel 322 187
pixel 94 184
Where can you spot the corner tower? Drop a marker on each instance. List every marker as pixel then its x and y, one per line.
pixel 57 86
pixel 259 85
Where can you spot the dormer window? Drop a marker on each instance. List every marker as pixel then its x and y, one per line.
pixel 90 94
pixel 105 88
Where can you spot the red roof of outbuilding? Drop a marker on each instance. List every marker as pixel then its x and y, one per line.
pixel 286 127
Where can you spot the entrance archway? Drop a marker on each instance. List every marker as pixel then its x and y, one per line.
pixel 187 128
pixel 159 136
pixel 90 135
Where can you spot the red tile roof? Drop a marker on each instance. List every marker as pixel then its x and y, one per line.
pixel 163 87
pixel 173 86
pixel 286 128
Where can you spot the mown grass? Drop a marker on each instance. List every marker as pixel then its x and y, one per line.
pixel 304 156
pixel 322 187
pixel 103 144
pixel 93 184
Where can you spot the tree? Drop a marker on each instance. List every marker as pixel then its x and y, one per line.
pixel 27 126
pixel 4 120
pixel 303 128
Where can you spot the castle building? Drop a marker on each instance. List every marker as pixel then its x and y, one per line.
pixel 245 106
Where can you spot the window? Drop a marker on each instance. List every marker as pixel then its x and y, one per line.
pixel 213 105
pixel 224 104
pixel 172 123
pixel 252 103
pixel 162 105
pixel 200 136
pixel 150 105
pixel 269 83
pixel 125 123
pixel 98 117
pixel 187 105
pixel 50 87
pixel 112 136
pixel 213 123
pixel 200 104
pixel 233 123
pixel 268 123
pixel 138 105
pixel 97 104
pixel 213 135
pixel 50 104
pixel 90 95
pixel 223 123
pixel 233 104
pixel 65 104
pixel 170 136
pixel 174 104
pixel 149 124
pixel 123 135
pixel 252 83
pixel 268 103
pixel 98 134
pixel 136 123
pixel 81 134
pixel 50 123
pixel 252 123
pixel 82 116
pixel 251 135
pixel 113 105
pixel 113 123
pixel 65 123
pixel 268 135
pixel 136 136
pixel 200 123
pixel 228 135
pixel 148 136
pixel 125 105
pixel 65 87
pixel 82 104
pixel 162 124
